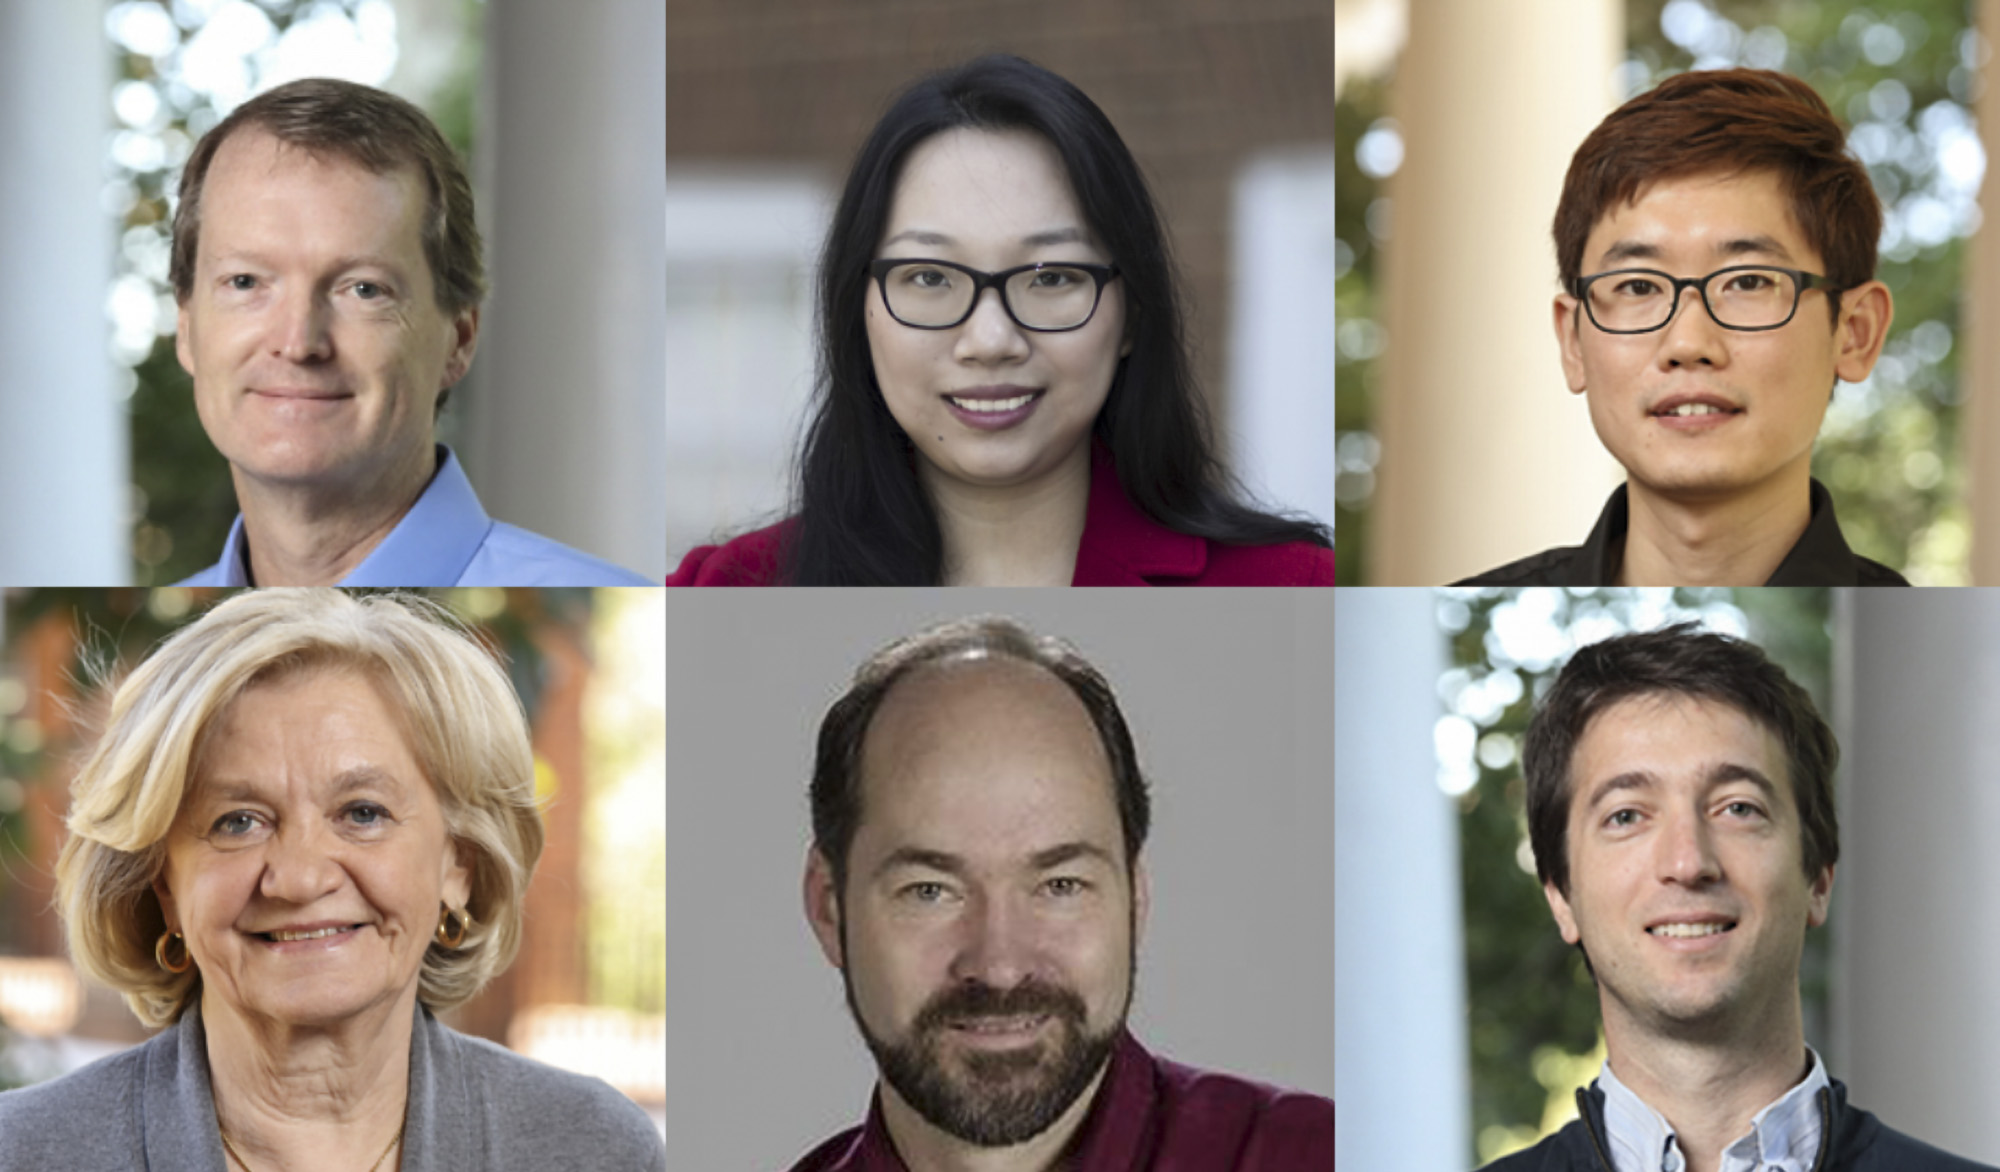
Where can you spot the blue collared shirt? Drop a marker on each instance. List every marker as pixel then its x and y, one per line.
pixel 1783 1137
pixel 446 539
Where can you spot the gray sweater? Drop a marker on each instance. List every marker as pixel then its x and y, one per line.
pixel 474 1107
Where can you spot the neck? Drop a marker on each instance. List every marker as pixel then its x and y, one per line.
pixel 1736 540
pixel 1016 535
pixel 1710 1088
pixel 303 534
pixel 924 1148
pixel 326 1098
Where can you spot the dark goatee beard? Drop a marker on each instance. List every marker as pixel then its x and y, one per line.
pixel 993 1098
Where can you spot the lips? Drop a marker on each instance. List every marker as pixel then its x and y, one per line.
pixel 294 933
pixel 1698 405
pixel 1694 927
pixel 299 393
pixel 993 408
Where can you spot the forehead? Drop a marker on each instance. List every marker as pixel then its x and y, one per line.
pixel 263 193
pixel 987 758
pixel 1711 217
pixel 319 719
pixel 1678 740
pixel 983 185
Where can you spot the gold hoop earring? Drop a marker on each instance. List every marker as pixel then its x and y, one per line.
pixel 452 926
pixel 160 952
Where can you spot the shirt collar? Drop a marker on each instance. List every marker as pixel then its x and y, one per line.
pixel 1121 545
pixel 1820 557
pixel 1783 1137
pixel 434 542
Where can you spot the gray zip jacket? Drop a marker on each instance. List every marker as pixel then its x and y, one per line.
pixel 474 1107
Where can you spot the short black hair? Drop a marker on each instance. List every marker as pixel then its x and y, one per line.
pixel 836 779
pixel 1681 660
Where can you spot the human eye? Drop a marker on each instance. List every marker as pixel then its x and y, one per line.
pixel 1743 808
pixel 370 290
pixel 1635 286
pixel 1622 819
pixel 1056 278
pixel 924 891
pixel 1754 281
pixel 1066 886
pixel 236 825
pixel 927 277
pixel 366 814
pixel 239 282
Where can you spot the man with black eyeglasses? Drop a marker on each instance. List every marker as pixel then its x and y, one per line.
pixel 1716 245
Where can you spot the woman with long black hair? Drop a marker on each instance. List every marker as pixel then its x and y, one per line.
pixel 1005 395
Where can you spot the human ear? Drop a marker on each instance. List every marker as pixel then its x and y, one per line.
pixel 822 903
pixel 1569 325
pixel 1865 314
pixel 1564 914
pixel 1818 897
pixel 457 875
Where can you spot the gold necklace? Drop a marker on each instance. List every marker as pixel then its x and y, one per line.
pixel 245 1164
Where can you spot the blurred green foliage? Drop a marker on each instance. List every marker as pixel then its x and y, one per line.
pixel 1901 78
pixel 1532 1006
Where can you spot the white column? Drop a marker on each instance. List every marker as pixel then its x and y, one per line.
pixel 1981 367
pixel 1916 940
pixel 1486 456
pixel 63 463
pixel 566 412
pixel 1401 1071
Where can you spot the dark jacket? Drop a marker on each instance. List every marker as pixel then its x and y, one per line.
pixel 1852 1140
pixel 1121 546
pixel 1820 557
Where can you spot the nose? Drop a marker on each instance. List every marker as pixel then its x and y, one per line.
pixel 1687 851
pixel 1693 337
pixel 990 336
pixel 300 331
pixel 298 866
pixel 996 948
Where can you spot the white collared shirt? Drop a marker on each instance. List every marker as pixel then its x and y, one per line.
pixel 1783 1137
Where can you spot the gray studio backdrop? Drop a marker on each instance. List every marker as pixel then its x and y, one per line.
pixel 1230 699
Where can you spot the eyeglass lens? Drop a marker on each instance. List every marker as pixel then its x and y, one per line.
pixel 1743 298
pixel 1051 297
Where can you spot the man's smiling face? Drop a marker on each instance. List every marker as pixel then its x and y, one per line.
pixel 1761 394
pixel 1687 884
pixel 312 331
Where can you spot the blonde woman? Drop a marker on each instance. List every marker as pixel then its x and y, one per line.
pixel 309 826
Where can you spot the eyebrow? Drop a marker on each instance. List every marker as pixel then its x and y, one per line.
pixel 345 782
pixel 951 864
pixel 1722 772
pixel 1727 249
pixel 1032 240
pixel 340 264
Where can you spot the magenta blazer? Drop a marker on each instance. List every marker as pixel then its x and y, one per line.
pixel 1121 546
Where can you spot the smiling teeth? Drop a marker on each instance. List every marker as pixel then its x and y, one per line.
pixel 1008 1025
pixel 1686 930
pixel 283 936
pixel 993 406
pixel 1698 409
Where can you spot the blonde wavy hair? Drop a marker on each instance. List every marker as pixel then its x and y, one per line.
pixel 464 724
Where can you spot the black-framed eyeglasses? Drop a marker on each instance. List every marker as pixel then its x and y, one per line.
pixel 1048 298
pixel 1749 297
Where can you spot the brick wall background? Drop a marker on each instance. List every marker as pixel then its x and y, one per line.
pixel 1194 87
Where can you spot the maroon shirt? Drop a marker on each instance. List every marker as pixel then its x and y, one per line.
pixel 1121 546
pixel 1151 1115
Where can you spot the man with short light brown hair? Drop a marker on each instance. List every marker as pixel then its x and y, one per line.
pixel 326 263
